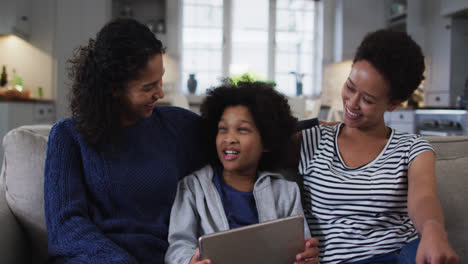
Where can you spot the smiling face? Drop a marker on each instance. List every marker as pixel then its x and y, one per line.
pixel 141 95
pixel 365 97
pixel 238 141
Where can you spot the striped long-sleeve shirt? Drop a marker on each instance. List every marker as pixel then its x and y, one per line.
pixel 357 213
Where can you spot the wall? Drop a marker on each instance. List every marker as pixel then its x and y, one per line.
pixel 437 51
pixel 174 42
pixel 328 30
pixel 76 22
pixel 416 21
pixel 345 25
pixel 334 77
pixel 359 18
pixel 43 25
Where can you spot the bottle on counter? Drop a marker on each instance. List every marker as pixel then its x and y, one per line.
pixel 12 82
pixel 39 92
pixel 4 77
pixel 19 84
pixel 16 82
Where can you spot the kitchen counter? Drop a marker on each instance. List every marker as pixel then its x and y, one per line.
pixel 26 100
pixel 13 95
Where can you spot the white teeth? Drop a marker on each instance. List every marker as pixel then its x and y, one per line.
pixel 351 113
pixel 231 152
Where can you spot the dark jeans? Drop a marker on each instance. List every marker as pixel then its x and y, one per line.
pixel 405 255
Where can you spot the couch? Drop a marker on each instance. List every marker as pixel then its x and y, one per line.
pixel 23 237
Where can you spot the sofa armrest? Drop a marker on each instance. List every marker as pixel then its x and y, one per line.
pixel 14 247
pixel 452 183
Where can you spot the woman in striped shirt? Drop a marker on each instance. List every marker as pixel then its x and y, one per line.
pixel 370 191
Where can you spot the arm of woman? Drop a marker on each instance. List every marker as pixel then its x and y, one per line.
pixel 425 211
pixel 72 236
pixel 294 150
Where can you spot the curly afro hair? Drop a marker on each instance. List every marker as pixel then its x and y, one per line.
pixel 121 50
pixel 270 111
pixel 397 57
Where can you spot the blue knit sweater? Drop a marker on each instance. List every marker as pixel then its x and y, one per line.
pixel 103 208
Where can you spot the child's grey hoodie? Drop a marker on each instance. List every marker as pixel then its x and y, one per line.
pixel 198 210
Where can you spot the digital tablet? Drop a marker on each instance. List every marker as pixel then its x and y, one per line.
pixel 273 242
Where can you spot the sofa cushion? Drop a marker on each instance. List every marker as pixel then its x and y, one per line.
pixel 452 183
pixel 13 242
pixel 25 150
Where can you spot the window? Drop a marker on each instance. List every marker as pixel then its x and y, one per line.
pixel 249 37
pixel 202 42
pixel 297 37
pixel 279 40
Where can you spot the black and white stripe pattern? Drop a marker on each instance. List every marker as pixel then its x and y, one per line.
pixel 357 213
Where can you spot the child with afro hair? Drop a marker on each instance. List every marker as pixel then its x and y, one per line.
pixel 250 126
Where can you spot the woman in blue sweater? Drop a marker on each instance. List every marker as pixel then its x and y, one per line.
pixel 112 169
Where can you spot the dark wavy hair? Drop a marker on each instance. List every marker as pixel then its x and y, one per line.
pixel 397 57
pixel 270 111
pixel 119 53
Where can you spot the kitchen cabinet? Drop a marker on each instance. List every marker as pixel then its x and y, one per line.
pixel 346 23
pixel 458 58
pixel 436 83
pixel 75 22
pixel 407 16
pixel 356 25
pixel 149 12
pixel 446 60
pixel 396 13
pixel 451 7
pixel 437 98
pixel 401 120
pixel 15 17
pixel 15 114
pixel 442 39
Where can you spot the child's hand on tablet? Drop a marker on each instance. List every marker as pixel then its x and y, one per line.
pixel 196 258
pixel 310 254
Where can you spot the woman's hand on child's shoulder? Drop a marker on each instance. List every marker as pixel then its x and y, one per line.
pixel 196 258
pixel 310 254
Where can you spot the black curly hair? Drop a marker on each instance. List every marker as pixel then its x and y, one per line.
pixel 119 53
pixel 397 57
pixel 270 111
